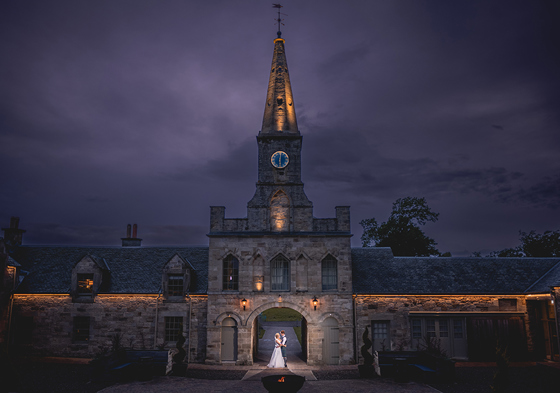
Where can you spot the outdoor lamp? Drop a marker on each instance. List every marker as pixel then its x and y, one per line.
pixel 315 301
pixel 244 302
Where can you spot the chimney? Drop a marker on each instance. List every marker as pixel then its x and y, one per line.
pixel 13 235
pixel 131 241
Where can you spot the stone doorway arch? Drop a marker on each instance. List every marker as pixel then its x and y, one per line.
pixel 255 322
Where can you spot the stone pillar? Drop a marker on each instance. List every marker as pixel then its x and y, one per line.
pixel 214 345
pixel 244 346
pixel 314 344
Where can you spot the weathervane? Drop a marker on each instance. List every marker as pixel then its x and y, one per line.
pixel 279 20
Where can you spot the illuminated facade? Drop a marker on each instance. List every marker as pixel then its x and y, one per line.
pixel 71 301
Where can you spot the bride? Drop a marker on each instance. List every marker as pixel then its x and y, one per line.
pixel 276 359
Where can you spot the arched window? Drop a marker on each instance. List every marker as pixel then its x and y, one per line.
pixel 280 212
pixel 329 273
pixel 231 274
pixel 280 273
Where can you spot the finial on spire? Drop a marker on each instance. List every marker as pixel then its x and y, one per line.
pixel 279 20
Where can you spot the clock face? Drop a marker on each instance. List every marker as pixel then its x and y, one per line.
pixel 279 159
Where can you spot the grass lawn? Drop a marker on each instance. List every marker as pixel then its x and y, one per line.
pixel 281 314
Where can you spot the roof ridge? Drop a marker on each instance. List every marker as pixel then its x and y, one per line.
pixel 543 276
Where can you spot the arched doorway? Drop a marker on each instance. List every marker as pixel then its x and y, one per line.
pixel 331 351
pixel 229 340
pixel 272 320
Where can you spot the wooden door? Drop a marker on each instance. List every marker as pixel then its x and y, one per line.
pixel 331 350
pixel 229 340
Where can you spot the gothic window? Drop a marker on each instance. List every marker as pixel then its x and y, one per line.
pixel 231 274
pixel 280 273
pixel 173 326
pixel 329 273
pixel 81 329
pixel 280 212
pixel 85 284
pixel 175 285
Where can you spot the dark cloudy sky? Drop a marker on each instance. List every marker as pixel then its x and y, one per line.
pixel 117 112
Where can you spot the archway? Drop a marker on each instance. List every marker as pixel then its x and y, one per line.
pixel 229 340
pixel 272 320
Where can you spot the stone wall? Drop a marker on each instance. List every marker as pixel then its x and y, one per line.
pixel 132 316
pixel 399 309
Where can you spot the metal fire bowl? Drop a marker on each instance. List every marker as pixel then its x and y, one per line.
pixel 291 384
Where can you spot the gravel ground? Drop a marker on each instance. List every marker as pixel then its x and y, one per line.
pixel 536 379
pixel 51 377
pixel 330 375
pixel 216 374
pixel 33 377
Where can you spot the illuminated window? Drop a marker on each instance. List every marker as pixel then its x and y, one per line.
pixel 81 329
pixel 280 274
pixel 175 285
pixel 329 273
pixel 85 283
pixel 173 326
pixel 280 212
pixel 230 274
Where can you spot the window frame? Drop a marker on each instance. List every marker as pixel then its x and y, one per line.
pixel 285 274
pixel 80 279
pixel 325 270
pixel 230 269
pixel 174 289
pixel 81 329
pixel 172 324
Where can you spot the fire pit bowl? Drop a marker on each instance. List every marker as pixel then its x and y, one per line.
pixel 283 383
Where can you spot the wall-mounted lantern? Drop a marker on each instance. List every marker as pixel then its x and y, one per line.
pixel 315 301
pixel 244 303
pixel 258 283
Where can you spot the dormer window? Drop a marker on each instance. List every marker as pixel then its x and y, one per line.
pixel 90 276
pixel 176 278
pixel 85 284
pixel 175 285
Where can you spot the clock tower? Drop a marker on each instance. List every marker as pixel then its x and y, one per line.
pixel 279 255
pixel 279 203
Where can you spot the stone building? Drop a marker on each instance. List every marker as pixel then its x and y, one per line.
pixel 71 301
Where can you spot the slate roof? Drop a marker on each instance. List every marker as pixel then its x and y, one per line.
pixel 133 270
pixel 375 271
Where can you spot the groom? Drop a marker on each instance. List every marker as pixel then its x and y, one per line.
pixel 283 347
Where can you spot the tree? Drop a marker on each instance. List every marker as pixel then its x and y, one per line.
pixel 402 230
pixel 533 245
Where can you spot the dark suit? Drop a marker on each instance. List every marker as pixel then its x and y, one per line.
pixel 283 349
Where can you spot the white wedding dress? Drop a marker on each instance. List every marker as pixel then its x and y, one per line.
pixel 276 360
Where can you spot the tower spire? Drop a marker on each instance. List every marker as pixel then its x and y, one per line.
pixel 279 111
